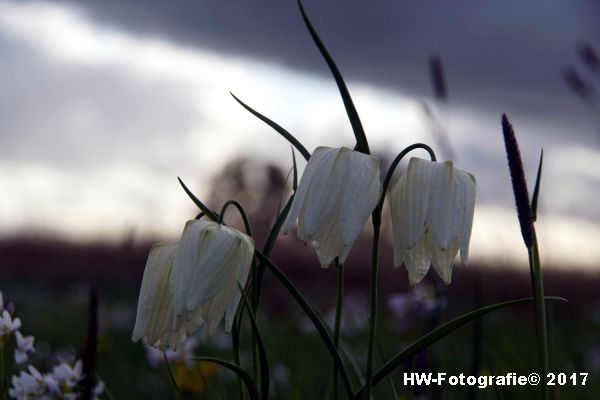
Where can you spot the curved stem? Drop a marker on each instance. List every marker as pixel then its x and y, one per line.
pixel 339 269
pixel 253 288
pixel 241 211
pixel 376 219
pixel 399 157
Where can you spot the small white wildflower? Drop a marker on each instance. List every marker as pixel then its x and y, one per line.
pixel 7 324
pixel 24 346
pixel 27 385
pixel 67 375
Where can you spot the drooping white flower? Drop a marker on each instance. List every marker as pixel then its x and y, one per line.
pixel 336 195
pixel 153 322
pixel 24 346
pixel 432 208
pixel 210 262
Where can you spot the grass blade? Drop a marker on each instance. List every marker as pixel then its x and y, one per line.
pixel 361 139
pixel 438 334
pixel 270 243
pixel 536 189
pixel 207 211
pixel 288 136
pixel 244 376
pixel 295 180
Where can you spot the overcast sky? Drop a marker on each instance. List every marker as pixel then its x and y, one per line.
pixel 103 104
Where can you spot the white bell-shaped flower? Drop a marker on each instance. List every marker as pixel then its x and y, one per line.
pixel 432 208
pixel 336 195
pixel 153 323
pixel 210 262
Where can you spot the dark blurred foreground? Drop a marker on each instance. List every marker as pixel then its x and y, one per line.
pixel 48 281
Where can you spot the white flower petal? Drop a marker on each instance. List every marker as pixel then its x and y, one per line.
pixel 442 260
pixel 320 160
pixel 192 245
pixel 469 208
pixel 323 198
pixel 440 203
pixel 154 311
pixel 360 195
pixel 245 261
pixel 329 244
pixel 415 196
pixel 417 261
pixel 213 269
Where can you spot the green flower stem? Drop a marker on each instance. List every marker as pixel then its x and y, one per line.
pixel 376 218
pixel 171 377
pixel 235 338
pixel 373 312
pixel 399 157
pixel 540 312
pixel 339 269
pixel 253 281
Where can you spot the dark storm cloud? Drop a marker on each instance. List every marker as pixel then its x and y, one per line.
pixel 502 56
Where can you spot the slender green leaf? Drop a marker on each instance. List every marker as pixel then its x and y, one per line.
pixel 207 211
pixel 244 376
pixel 361 138
pixel 439 333
pixel 270 243
pixel 235 339
pixel 383 360
pixel 288 136
pixel 313 316
pixel 295 180
pixel 264 362
pixel 536 189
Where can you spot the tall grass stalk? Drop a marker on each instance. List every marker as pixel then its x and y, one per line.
pixel 540 312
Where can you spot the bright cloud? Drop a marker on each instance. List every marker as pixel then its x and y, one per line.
pixel 162 110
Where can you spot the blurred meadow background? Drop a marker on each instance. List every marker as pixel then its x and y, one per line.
pixel 104 104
